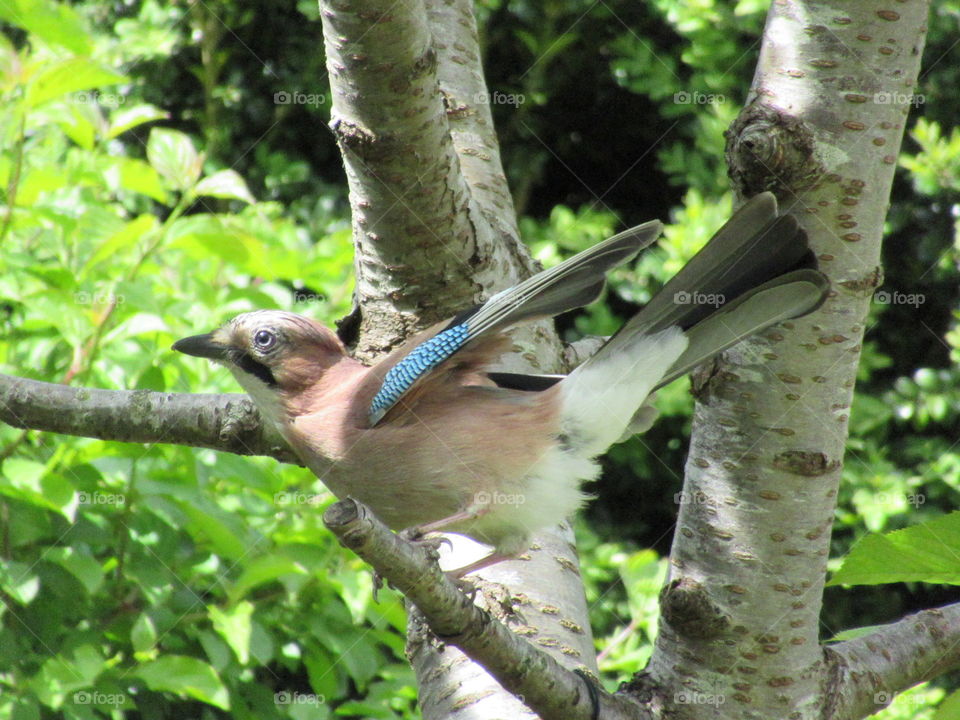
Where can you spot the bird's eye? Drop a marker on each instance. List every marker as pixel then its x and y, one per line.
pixel 264 339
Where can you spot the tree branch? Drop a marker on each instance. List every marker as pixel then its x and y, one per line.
pixel 230 423
pixel 870 670
pixel 543 684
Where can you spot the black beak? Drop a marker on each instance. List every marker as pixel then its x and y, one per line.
pixel 201 346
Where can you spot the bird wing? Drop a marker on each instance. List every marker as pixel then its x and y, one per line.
pixel 571 284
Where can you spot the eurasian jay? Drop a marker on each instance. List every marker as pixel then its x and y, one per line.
pixel 432 436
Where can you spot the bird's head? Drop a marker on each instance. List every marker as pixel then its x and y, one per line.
pixel 274 355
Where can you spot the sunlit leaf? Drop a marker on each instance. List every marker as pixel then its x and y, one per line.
pixel 185 676
pixel 921 553
pixel 172 154
pixel 128 118
pixel 71 76
pixel 56 23
pixel 225 184
pixel 233 624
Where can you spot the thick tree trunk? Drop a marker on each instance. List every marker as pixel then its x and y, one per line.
pixel 435 231
pixel 742 604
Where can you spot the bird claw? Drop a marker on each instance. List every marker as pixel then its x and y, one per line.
pixel 464 586
pixel 431 544
pixel 378 583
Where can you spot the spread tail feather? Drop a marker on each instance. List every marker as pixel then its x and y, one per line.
pixel 788 296
pixel 755 251
pixel 756 271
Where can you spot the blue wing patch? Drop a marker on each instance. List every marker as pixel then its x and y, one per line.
pixel 421 360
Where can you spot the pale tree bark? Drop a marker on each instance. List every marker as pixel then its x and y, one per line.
pixel 741 608
pixel 435 231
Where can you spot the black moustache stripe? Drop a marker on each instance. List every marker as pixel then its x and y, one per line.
pixel 253 367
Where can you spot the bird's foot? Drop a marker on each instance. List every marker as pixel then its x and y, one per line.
pixel 429 541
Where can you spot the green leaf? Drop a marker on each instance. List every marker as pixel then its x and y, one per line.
pixel 233 624
pixel 26 708
pixel 61 675
pixel 18 581
pixel 922 553
pixel 187 677
pixel 39 181
pixel 83 567
pixel 949 708
pixel 868 413
pixel 55 23
pixel 205 525
pixel 123 239
pixel 29 481
pixel 80 124
pixel 643 575
pixel 70 76
pixel 203 235
pixel 131 117
pixel 263 569
pixel 216 650
pixel 854 633
pixel 143 634
pixel 134 176
pixel 225 184
pixel 172 154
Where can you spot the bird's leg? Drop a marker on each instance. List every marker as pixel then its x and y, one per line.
pixel 415 534
pixel 438 525
pixel 484 562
